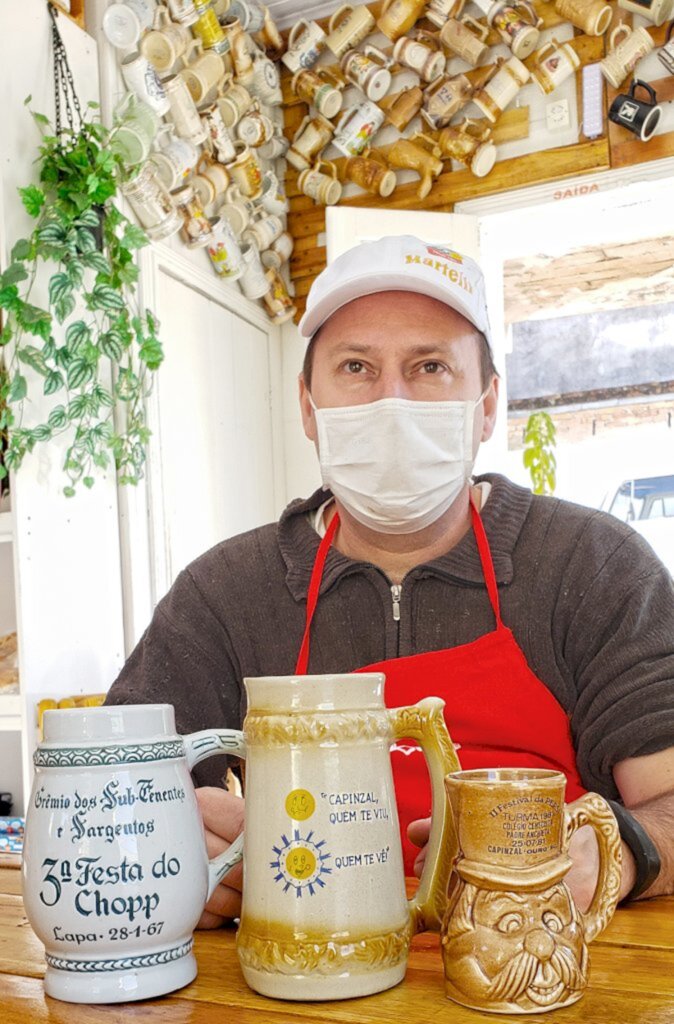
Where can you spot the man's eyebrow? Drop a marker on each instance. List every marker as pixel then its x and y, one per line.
pixel 363 349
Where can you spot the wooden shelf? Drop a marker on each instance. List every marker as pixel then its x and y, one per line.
pixel 10 712
pixel 6 527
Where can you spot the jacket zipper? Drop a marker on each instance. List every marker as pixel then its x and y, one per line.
pixel 396 590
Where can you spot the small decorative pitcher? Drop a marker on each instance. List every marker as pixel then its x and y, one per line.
pixel 324 911
pixel 513 940
pixel 115 870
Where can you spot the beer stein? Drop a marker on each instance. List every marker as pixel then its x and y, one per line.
pixel 239 45
pixel 494 97
pixel 310 139
pixel 553 64
pixel 141 78
pixel 277 146
pixel 166 42
pixel 370 175
pixel 124 23
pixel 320 89
pixel 655 11
pixel 136 126
pixel 324 189
pixel 224 250
pixel 641 117
pixel 368 70
pixel 269 38
pixel 209 31
pixel 184 113
pixel 279 305
pixel 592 17
pixel 263 229
pixel 408 155
pixel 245 171
pixel 279 252
pixel 205 75
pixel 233 102
pixel 348 27
pixel 211 180
pixel 465 39
pixel 174 159
pixel 272 198
pixel 513 940
pixel 263 80
pixel 469 143
pixel 666 53
pixel 440 11
pixel 253 283
pixel 255 128
pixel 236 209
pixel 625 54
pixel 445 98
pixel 357 126
pixel 220 140
pixel 324 913
pixel 306 42
pixel 196 227
pixel 248 13
pixel 517 23
pixel 183 11
pixel 115 869
pixel 429 64
pixel 401 107
pixel 399 16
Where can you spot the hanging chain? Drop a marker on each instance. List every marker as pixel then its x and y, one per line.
pixel 64 85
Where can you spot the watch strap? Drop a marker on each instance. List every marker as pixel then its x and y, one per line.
pixel 644 850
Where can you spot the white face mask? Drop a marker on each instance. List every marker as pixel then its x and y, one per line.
pixel 396 465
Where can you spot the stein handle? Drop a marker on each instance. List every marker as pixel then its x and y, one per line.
pixel 332 168
pixel 482 132
pixel 482 31
pixel 637 83
pixel 621 29
pixel 161 15
pixel 199 746
pixel 336 17
pixel 531 11
pixel 592 809
pixel 377 55
pixel 294 31
pixel 431 39
pixel 551 45
pixel 425 722
pixel 669 32
pixel 435 148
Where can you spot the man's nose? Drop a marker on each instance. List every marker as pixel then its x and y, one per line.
pixel 392 384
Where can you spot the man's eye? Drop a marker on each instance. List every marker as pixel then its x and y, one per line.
pixel 354 366
pixel 432 367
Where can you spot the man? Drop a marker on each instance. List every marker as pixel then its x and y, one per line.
pixel 547 628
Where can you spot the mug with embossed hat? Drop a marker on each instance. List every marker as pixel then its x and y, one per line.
pixel 115 868
pixel 666 52
pixel 124 23
pixel 401 107
pixel 141 78
pixel 468 142
pixel 639 116
pixel 320 89
pixel 357 126
pixel 369 70
pixel 152 204
pixel 204 75
pixel 224 250
pixel 408 155
pixel 518 24
pixel 324 189
pixel 166 42
pixel 439 11
pixel 280 307
pixel 592 17
pixel 397 17
pixel 255 128
pixel 245 171
pixel 183 111
pixel 655 11
pixel 513 939
pixel 553 63
pixel 348 27
pixel 445 98
pixel 233 101
pixel 310 139
pixel 465 38
pixel 500 91
pixel 306 42
pixel 371 175
pixel 263 229
pixel 428 63
pixel 625 54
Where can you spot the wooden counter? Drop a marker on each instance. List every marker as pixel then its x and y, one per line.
pixel 631 982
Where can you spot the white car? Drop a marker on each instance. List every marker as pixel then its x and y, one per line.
pixel 647 504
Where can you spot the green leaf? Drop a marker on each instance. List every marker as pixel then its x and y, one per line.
pixel 106 298
pixel 21 250
pixel 3 472
pixel 97 261
pixel 18 388
pixel 88 481
pixel 64 307
pixel 15 272
pixel 78 334
pixel 78 408
pixel 88 218
pixel 57 417
pixel 134 237
pixel 59 285
pixel 53 383
pixel 42 432
pixel 40 118
pixel 8 296
pixel 85 240
pixel 79 372
pixel 32 357
pixel 111 345
pixel 69 492
pixel 5 335
pixel 75 271
pixel 103 396
pixel 33 199
pixel 128 274
pixel 51 234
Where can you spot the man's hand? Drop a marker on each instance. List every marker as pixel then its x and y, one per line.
pixel 418 833
pixel 222 814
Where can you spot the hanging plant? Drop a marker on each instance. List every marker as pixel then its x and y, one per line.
pixel 539 441
pixel 88 245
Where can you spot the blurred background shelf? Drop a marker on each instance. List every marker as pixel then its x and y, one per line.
pixel 5 526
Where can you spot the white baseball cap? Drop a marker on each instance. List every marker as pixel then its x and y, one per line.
pixel 398 263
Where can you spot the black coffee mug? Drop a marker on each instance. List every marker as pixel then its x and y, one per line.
pixel 639 116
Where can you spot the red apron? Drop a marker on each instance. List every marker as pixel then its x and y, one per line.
pixel 499 714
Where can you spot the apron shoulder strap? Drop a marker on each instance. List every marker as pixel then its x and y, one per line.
pixel 312 595
pixel 484 552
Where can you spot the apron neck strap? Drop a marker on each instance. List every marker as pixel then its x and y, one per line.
pixel 317 575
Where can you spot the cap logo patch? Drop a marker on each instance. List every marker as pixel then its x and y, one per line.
pixel 455 276
pixel 447 254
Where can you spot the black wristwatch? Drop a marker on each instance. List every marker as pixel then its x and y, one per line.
pixel 644 850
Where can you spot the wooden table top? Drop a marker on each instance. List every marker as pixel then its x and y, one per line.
pixel 631 981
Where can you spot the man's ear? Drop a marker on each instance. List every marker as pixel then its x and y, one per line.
pixel 490 405
pixel 308 419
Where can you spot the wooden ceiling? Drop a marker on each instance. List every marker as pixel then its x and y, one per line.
pixel 606 277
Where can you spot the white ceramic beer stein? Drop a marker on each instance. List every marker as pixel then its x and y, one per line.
pixel 357 126
pixel 324 189
pixel 368 70
pixel 429 64
pixel 348 26
pixel 310 139
pixel 152 203
pixel 553 63
pixel 124 23
pixel 655 11
pixel 224 250
pixel 324 913
pixel 497 94
pixel 306 42
pixel 184 113
pixel 237 209
pixel 320 90
pixel 166 42
pixel 115 870
pixel 625 53
pixel 253 282
pixel 141 78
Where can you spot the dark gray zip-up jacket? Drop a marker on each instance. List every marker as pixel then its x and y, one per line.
pixel 588 602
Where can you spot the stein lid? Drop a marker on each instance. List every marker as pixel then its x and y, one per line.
pixel 121 26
